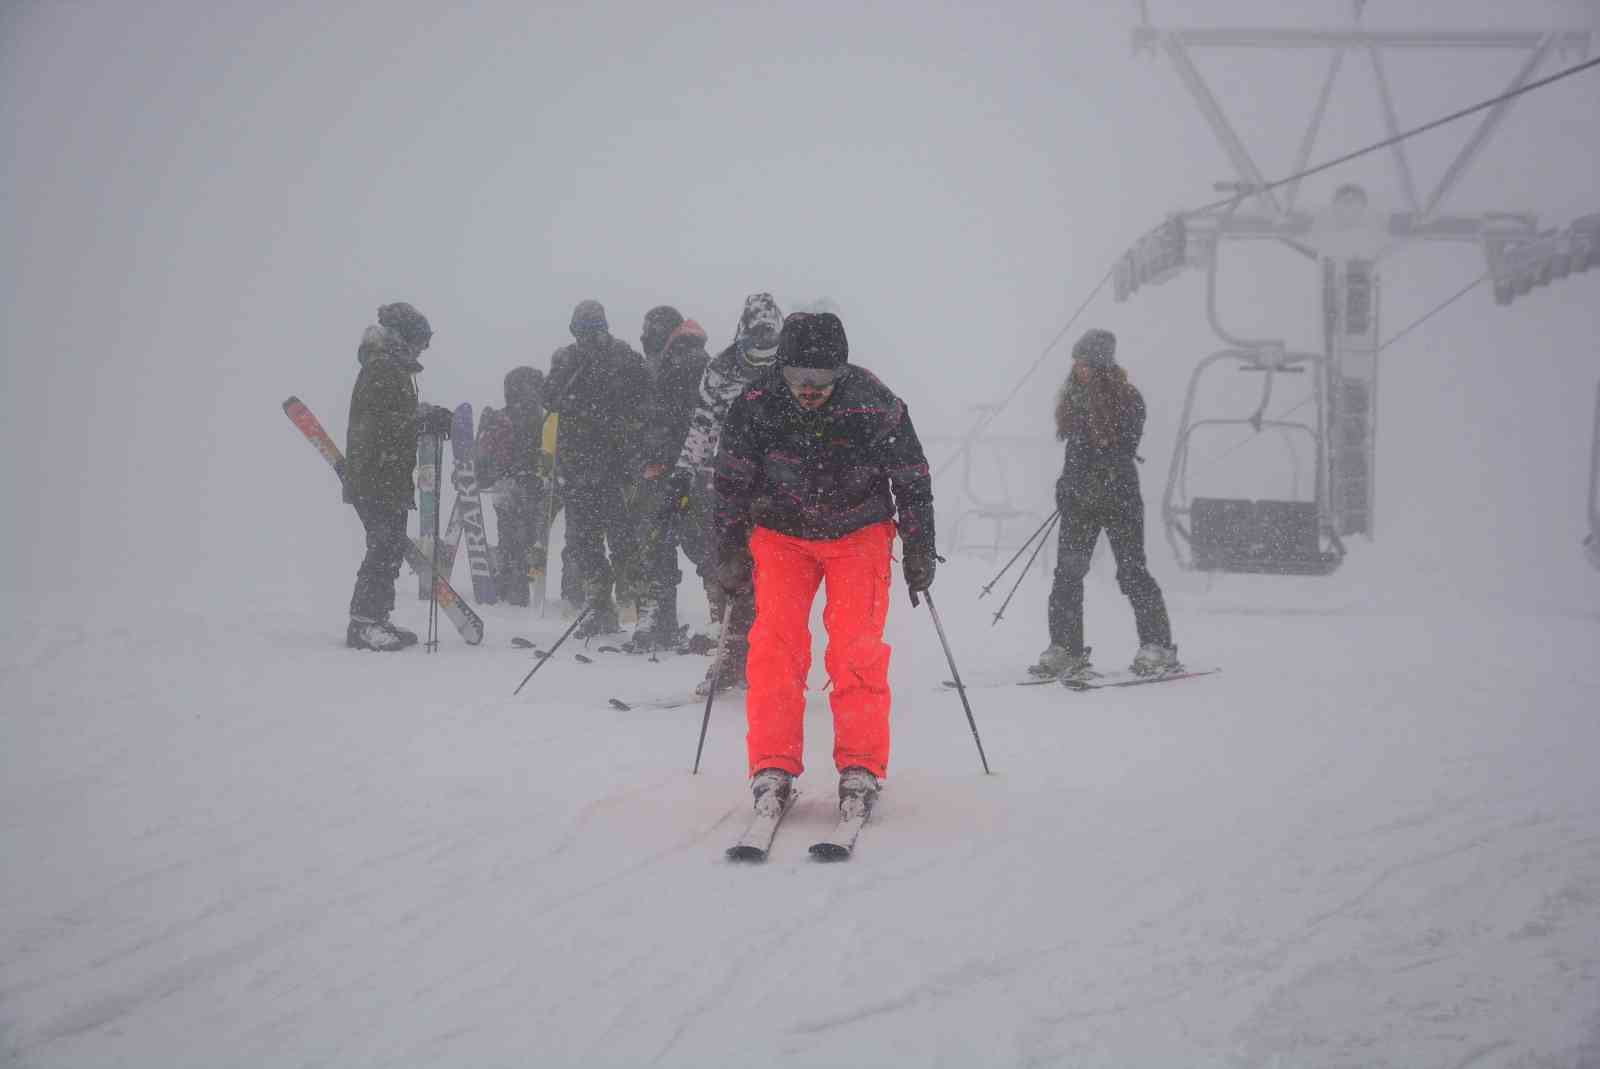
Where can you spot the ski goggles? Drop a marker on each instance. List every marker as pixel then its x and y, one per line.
pixel 815 378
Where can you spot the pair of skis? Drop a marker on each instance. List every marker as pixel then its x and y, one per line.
pixel 467 622
pixel 1094 682
pixel 756 842
pixel 466 515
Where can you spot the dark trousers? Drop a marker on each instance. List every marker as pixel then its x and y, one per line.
pixel 1122 519
pixel 597 517
pixel 373 598
pixel 657 527
pixel 519 511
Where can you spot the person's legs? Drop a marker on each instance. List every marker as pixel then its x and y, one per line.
pixel 1079 529
pixel 1125 531
pixel 373 597
pixel 856 568
pixel 786 579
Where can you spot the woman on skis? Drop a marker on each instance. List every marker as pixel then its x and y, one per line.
pixel 1100 419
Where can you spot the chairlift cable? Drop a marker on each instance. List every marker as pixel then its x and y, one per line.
pixel 1235 199
pixel 1396 139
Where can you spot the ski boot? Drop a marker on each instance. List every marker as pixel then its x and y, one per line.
pixel 858 790
pixel 1058 662
pixel 1155 660
pixel 773 782
pixel 365 634
pixel 657 629
pixel 602 620
pixel 726 674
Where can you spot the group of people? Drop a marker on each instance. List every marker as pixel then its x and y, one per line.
pixel 777 466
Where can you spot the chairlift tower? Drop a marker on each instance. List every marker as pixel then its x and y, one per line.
pixel 1347 240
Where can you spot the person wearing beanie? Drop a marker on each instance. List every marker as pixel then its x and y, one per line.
pixel 1100 420
pixel 380 456
pixel 819 467
pixel 752 354
pixel 597 385
pixel 659 323
pixel 508 454
pixel 675 373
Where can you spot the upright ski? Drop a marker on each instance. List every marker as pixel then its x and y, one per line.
pixel 464 476
pixel 466 621
pixel 428 505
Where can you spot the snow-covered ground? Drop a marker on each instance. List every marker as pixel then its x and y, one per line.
pixel 1372 839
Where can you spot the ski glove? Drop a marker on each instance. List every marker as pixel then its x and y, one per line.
pixel 432 419
pixel 736 574
pixel 919 566
pixel 681 484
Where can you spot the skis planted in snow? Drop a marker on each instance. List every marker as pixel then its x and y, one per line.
pixel 464 477
pixel 466 621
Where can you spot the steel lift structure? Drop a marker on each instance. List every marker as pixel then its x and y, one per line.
pixel 1344 242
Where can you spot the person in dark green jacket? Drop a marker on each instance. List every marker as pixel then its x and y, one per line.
pixel 380 455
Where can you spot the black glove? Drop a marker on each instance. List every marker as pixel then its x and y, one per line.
pixel 919 566
pixel 736 574
pixel 432 419
pixel 680 484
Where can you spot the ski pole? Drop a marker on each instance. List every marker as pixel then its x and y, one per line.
pixel 1020 550
pixel 1002 610
pixel 433 566
pixel 545 657
pixel 956 675
pixel 716 677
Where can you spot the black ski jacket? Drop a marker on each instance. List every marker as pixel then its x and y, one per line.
pixel 1105 475
pixel 599 392
pixel 674 396
pixel 821 475
pixel 381 439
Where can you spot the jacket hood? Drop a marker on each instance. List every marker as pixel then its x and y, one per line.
pixel 379 341
pixel 759 325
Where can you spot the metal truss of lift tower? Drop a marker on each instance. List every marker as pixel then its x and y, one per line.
pixel 1345 240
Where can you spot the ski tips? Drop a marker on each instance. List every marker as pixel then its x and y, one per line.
pixel 618 704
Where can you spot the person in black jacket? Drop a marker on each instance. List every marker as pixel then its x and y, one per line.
pixel 675 373
pixel 380 455
pixel 818 466
pixel 597 384
pixel 1100 419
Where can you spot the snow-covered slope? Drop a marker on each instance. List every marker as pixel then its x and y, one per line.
pixel 1372 839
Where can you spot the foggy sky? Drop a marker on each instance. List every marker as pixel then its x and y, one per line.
pixel 205 204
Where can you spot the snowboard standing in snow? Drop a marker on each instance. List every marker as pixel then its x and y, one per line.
pixel 467 622
pixel 464 477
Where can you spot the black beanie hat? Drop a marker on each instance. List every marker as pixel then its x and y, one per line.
pixel 815 341
pixel 1097 349
pixel 659 323
pixel 410 324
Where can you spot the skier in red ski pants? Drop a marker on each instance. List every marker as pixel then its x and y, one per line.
pixel 818 468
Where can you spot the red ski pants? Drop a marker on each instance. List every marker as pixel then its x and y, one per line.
pixel 787 573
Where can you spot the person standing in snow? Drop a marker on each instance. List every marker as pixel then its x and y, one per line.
pixel 752 354
pixel 675 374
pixel 509 452
pixel 818 466
pixel 1100 419
pixel 380 456
pixel 597 385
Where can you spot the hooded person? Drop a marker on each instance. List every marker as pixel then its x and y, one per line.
pixel 818 468
pixel 1100 421
pixel 659 324
pixel 380 457
pixel 676 372
pixel 597 385
pixel 509 448
pixel 752 354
